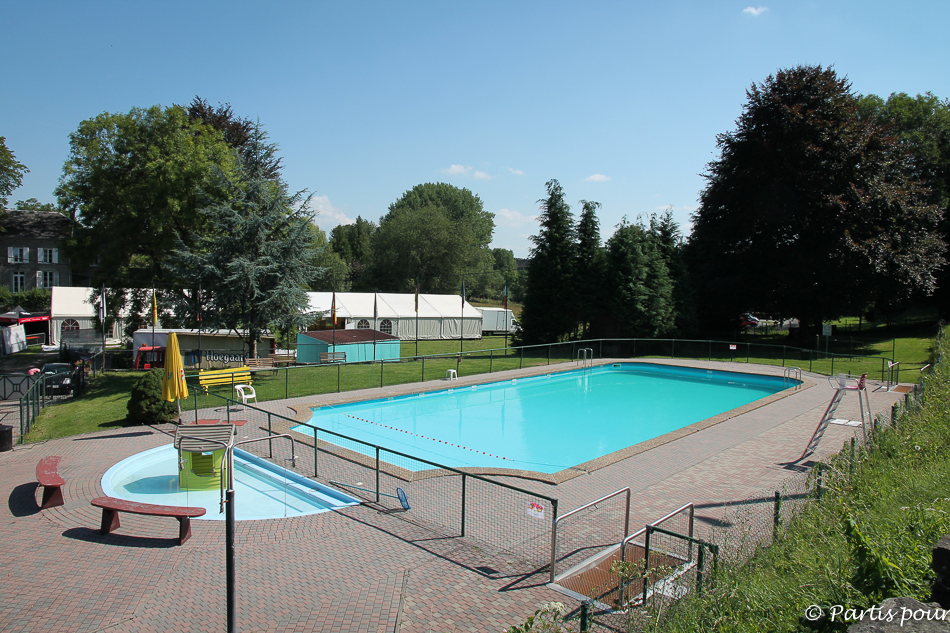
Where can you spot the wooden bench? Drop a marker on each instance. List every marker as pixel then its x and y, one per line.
pixel 283 359
pixel 233 376
pixel 332 357
pixel 111 507
pixel 47 473
pixel 258 363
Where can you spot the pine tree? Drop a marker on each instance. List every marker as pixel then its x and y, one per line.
pixel 548 313
pixel 255 260
pixel 641 298
pixel 588 278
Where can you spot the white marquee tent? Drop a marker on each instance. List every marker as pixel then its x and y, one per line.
pixel 440 316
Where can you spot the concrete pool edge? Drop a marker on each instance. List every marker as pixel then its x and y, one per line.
pixel 303 413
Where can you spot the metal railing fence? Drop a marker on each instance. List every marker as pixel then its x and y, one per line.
pixel 446 499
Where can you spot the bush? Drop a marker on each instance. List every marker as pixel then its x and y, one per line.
pixel 145 403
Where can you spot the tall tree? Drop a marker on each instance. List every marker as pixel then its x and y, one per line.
pixel 354 243
pixel 32 204
pixel 134 182
pixel 11 173
pixel 548 313
pixel 588 278
pixel 809 211
pixel 434 232
pixel 669 241
pixel 330 271
pixel 922 126
pixel 640 303
pixel 254 261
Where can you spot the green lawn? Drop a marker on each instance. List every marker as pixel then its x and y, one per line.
pixel 101 406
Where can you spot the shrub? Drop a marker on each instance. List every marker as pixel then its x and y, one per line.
pixel 145 403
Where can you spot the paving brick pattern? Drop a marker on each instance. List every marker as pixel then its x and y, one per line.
pixel 357 569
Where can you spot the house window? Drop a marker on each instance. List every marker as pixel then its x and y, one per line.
pixel 17 255
pixel 386 326
pixel 47 278
pixel 48 255
pixel 19 281
pixel 363 324
pixel 70 325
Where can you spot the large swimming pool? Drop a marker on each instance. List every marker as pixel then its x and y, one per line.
pixel 545 423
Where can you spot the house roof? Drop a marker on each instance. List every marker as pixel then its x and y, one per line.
pixel 347 337
pixel 44 225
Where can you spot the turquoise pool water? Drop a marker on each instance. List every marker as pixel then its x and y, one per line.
pixel 544 423
pixel 262 490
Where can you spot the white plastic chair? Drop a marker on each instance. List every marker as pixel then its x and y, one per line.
pixel 246 393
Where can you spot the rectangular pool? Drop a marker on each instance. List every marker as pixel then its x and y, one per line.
pixel 545 423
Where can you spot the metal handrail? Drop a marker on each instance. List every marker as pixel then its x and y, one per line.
pixel 890 373
pixel 789 372
pixel 692 513
pixel 626 523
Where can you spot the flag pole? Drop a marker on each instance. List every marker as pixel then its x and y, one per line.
pixel 375 319
pixel 417 316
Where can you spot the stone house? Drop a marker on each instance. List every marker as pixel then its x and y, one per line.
pixel 33 243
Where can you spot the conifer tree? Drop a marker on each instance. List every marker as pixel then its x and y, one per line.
pixel 255 261
pixel 588 280
pixel 548 313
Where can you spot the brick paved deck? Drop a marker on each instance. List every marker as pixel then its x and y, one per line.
pixel 355 570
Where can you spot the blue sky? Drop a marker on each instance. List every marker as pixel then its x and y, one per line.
pixel 619 101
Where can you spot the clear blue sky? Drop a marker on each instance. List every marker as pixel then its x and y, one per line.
pixel 619 101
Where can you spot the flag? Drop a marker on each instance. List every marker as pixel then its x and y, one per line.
pixel 375 312
pixel 417 296
pixel 333 309
pixel 504 296
pixel 463 293
pixel 102 308
pixel 154 308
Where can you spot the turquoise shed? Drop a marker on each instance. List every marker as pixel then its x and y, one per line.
pixel 357 345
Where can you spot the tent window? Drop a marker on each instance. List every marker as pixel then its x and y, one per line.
pixel 363 324
pixel 386 326
pixel 70 325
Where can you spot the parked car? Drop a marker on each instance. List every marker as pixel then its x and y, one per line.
pixel 747 320
pixel 59 378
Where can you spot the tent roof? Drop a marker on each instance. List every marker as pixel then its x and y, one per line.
pixel 70 301
pixel 359 305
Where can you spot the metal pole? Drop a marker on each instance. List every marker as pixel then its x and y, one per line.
pixel 229 555
pixel 380 373
pixel 423 369
pixel 491 359
pixel 463 505
pixel 339 366
pixel 585 616
pixel 316 451
pixel 377 474
pixel 776 515
pixel 286 382
pixel 270 442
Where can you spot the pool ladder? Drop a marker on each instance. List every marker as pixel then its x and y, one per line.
pixel 585 356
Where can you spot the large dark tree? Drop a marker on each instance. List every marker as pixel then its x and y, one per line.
pixel 808 211
pixel 238 132
pixel 549 303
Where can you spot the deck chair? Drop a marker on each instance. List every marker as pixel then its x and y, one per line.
pixel 246 393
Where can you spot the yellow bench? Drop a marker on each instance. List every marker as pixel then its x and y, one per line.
pixel 232 376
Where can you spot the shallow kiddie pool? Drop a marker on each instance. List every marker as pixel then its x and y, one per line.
pixel 262 490
pixel 545 423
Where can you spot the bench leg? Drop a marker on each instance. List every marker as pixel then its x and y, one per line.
pixel 184 529
pixel 52 497
pixel 110 521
